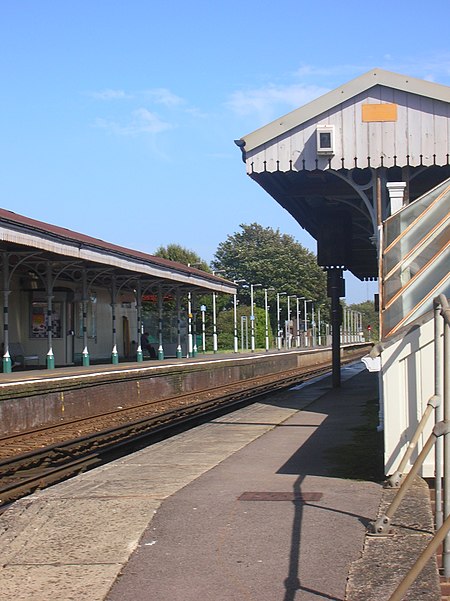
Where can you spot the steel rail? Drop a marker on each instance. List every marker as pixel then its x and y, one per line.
pixel 179 397
pixel 59 461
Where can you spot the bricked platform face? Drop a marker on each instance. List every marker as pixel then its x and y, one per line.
pixel 37 398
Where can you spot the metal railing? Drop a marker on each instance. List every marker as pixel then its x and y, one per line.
pixel 440 403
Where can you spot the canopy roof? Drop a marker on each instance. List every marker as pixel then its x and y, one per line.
pixel 19 234
pixel 382 127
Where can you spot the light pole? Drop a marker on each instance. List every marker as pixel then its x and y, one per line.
pixel 203 310
pixel 190 345
pixel 214 320
pixel 299 298
pixel 306 320
pixel 252 317
pixel 235 331
pixel 313 325
pixel 266 309
pixel 288 322
pixel 320 328
pixel 278 320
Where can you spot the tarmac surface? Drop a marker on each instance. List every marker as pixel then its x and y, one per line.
pixel 246 507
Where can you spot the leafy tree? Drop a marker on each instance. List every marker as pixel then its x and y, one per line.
pixel 180 254
pixel 262 255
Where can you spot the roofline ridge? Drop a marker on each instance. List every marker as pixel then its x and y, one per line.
pixel 338 95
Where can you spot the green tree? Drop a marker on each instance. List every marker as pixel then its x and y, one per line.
pixel 180 254
pixel 262 255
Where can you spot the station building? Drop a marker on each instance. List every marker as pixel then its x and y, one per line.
pixel 365 169
pixel 69 298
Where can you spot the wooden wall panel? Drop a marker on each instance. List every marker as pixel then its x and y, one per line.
pixel 422 128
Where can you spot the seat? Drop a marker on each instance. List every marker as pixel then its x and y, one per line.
pixel 18 356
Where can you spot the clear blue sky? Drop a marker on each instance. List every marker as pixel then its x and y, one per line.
pixel 117 118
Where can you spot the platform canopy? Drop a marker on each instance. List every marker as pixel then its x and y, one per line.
pixel 29 243
pixel 328 162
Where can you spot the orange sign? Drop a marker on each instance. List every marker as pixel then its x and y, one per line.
pixel 379 112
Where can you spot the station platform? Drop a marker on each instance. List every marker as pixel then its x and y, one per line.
pixel 246 507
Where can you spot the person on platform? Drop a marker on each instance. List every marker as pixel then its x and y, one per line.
pixel 146 346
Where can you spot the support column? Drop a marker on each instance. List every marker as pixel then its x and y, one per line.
pixel 235 331
pixel 84 301
pixel 50 356
pixel 179 352
pixel 214 322
pixel 7 364
pixel 194 325
pixel 160 323
pixel 335 290
pixel 114 353
pixel 139 353
pixel 190 325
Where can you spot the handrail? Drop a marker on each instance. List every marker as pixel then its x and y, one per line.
pixel 441 428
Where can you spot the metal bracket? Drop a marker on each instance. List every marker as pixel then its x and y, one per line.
pixel 381 526
pixel 394 481
pixel 441 428
pixel 435 401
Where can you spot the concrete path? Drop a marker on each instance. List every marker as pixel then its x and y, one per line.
pixel 172 520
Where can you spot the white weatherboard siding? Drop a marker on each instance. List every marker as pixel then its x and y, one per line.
pixel 408 384
pixel 420 135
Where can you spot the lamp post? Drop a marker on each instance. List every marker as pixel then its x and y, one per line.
pixel 214 320
pixel 299 298
pixel 313 325
pixel 252 317
pixel 319 328
pixel 278 320
pixel 288 322
pixel 190 345
pixel 266 309
pixel 235 330
pixel 203 310
pixel 306 320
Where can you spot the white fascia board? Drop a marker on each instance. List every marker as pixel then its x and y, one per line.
pixel 111 259
pixel 342 94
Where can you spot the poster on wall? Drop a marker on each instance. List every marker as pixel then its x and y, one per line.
pixel 39 320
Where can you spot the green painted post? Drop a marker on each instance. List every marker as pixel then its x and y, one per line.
pixel 85 356
pixel 114 356
pixel 7 364
pixel 50 360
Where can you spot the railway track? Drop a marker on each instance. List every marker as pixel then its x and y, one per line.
pixel 38 458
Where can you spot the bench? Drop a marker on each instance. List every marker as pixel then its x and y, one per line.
pixel 18 356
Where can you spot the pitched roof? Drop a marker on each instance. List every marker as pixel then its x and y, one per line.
pixel 342 94
pixel 39 235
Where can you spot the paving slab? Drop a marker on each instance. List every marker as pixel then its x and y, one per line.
pixel 207 542
pixel 71 540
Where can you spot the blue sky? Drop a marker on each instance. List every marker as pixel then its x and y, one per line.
pixel 117 119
